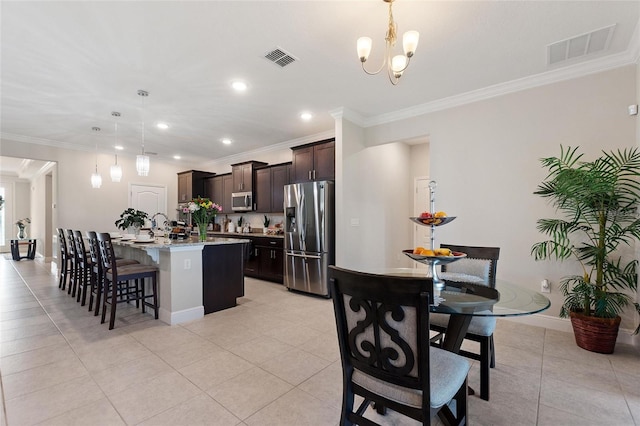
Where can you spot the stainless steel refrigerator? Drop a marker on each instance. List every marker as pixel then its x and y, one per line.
pixel 309 236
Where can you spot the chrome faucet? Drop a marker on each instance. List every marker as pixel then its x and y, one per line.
pixel 154 224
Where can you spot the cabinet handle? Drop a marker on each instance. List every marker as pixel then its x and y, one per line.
pixel 309 174
pixel 314 175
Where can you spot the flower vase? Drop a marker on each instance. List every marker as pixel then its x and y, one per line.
pixel 202 232
pixel 22 235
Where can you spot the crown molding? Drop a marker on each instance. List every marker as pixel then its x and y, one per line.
pixel 628 57
pixel 236 158
pixel 350 115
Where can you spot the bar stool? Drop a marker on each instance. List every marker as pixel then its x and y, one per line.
pixel 85 266
pixel 126 283
pixel 96 277
pixel 64 262
pixel 73 261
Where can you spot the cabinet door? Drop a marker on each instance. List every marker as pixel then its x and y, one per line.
pixel 252 265
pixel 215 190
pixel 324 159
pixel 227 190
pixel 184 187
pixel 272 264
pixel 262 194
pixel 236 172
pixel 302 165
pixel 279 178
pixel 247 177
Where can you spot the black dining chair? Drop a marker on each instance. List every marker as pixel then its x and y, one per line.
pixel 383 335
pixel 124 284
pixel 481 262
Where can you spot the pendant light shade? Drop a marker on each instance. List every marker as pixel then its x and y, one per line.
pixel 142 160
pixel 96 178
pixel 142 165
pixel 115 170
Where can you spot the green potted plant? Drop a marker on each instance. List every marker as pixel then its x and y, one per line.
pixel 599 201
pixel 131 218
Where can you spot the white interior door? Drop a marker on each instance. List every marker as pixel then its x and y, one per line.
pixel 421 234
pixel 151 199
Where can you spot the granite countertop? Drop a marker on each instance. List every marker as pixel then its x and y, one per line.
pixel 160 242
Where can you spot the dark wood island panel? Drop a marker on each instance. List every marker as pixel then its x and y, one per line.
pixel 222 276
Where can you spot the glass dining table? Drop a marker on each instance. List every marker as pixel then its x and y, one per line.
pixel 464 297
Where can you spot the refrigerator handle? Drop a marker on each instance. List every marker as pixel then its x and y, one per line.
pixel 304 256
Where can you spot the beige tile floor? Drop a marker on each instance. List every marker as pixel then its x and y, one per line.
pixel 272 360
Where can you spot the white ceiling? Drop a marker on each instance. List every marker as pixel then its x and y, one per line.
pixel 67 65
pixel 22 168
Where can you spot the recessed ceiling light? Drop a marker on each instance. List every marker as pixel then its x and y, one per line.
pixel 226 141
pixel 239 86
pixel 306 116
pixel 163 126
pixel 176 157
pixel 119 147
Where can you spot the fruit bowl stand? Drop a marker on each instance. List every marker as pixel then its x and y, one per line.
pixel 434 261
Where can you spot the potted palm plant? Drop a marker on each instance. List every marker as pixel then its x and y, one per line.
pixel 599 201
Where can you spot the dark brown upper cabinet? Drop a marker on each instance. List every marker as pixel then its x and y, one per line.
pixel 219 189
pixel 314 161
pixel 191 183
pixel 269 189
pixel 243 175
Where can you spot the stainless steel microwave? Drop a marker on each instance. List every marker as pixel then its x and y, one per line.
pixel 242 201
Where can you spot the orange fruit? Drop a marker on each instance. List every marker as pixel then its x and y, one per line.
pixel 417 250
pixel 440 214
pixel 427 252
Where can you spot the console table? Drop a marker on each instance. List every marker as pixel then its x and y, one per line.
pixel 15 249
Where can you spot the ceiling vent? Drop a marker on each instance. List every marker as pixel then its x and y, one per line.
pixel 581 45
pixel 280 57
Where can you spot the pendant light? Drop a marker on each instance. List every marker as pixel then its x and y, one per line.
pixel 115 170
pixel 96 179
pixel 142 161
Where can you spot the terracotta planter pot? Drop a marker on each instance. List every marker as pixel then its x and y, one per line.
pixel 595 334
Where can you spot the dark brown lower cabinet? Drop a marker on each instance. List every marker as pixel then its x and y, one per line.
pixel 266 260
pixel 222 276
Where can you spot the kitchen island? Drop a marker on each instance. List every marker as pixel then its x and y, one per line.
pixel 196 278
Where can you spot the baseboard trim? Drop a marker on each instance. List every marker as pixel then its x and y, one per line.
pixel 564 324
pixel 178 317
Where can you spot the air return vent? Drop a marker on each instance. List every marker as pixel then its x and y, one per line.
pixel 581 45
pixel 280 57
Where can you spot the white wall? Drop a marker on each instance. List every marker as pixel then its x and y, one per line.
pixel 78 205
pixel 374 195
pixel 485 157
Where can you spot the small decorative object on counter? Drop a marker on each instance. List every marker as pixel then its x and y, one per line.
pixel 203 210
pixel 132 218
pixel 22 223
pixel 240 222
pixel 266 223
